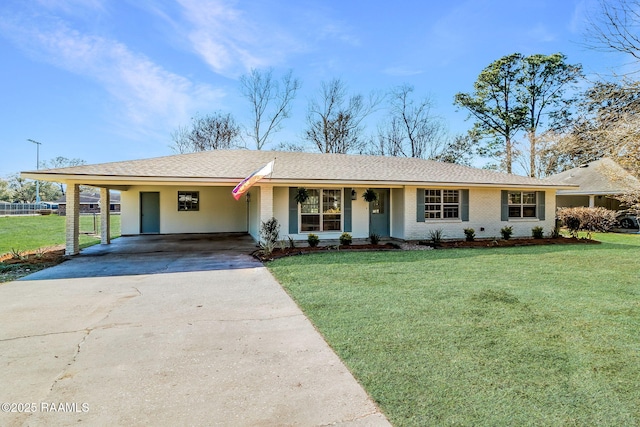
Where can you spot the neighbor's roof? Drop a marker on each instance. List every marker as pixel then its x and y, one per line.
pixel 600 177
pixel 234 165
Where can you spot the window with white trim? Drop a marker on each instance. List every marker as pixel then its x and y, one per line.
pixel 322 211
pixel 441 204
pixel 522 204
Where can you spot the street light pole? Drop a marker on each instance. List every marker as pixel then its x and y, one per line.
pixel 38 144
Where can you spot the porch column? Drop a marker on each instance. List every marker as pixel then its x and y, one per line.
pixel 592 200
pixel 105 223
pixel 266 203
pixel 72 219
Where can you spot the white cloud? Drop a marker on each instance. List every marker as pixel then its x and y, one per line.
pixel 150 94
pixel 402 71
pixel 233 37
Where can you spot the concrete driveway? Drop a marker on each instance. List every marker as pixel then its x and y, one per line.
pixel 156 330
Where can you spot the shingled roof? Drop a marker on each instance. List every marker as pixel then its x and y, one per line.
pixel 233 165
pixel 602 176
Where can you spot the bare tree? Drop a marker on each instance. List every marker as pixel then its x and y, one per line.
pixel 412 130
pixel 211 132
pixel 615 29
pixel 335 121
pixel 270 101
pixel 61 162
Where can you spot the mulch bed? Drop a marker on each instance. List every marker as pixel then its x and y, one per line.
pixel 483 243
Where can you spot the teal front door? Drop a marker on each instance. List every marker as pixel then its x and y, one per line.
pixel 149 213
pixel 379 213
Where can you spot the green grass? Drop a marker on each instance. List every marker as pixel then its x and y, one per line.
pixel 27 233
pixel 541 335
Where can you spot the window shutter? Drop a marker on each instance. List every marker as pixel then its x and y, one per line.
pixel 541 206
pixel 464 205
pixel 420 207
pixel 346 202
pixel 293 211
pixel 505 206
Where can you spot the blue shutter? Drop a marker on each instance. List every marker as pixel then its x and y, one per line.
pixel 464 205
pixel 346 198
pixel 293 211
pixel 541 207
pixel 505 206
pixel 420 207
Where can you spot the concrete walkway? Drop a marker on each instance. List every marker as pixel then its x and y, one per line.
pixel 171 342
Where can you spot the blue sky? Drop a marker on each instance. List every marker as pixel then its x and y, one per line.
pixel 109 80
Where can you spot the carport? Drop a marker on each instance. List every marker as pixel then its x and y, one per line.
pixel 169 330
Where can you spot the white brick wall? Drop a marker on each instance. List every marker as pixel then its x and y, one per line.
pixel 484 213
pixel 72 219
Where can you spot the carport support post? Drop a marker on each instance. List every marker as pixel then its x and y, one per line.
pixel 105 224
pixel 266 204
pixel 73 219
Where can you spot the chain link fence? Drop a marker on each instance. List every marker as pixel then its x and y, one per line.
pixel 42 208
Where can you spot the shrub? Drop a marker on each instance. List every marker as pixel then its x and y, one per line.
pixel 470 234
pixel 374 238
pixel 269 233
pixel 537 232
pixel 292 243
pixel 345 239
pixel 506 232
pixel 435 236
pixel 313 240
pixel 587 219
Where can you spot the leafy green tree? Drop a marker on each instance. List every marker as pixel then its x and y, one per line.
pixel 545 80
pixel 460 150
pixel 520 93
pixel 5 193
pixel 495 106
pixel 24 190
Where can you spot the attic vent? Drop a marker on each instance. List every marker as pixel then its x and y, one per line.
pixel 586 165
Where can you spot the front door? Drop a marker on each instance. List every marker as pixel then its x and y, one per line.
pixel 149 213
pixel 379 213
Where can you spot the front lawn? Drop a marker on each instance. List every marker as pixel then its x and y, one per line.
pixel 29 233
pixel 541 335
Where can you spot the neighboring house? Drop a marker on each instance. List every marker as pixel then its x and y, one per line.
pixel 598 183
pixel 191 193
pixel 90 203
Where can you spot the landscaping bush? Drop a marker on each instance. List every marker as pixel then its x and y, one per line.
pixel 506 232
pixel 374 238
pixel 587 219
pixel 435 236
pixel 537 232
pixel 345 239
pixel 269 234
pixel 470 234
pixel 313 240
